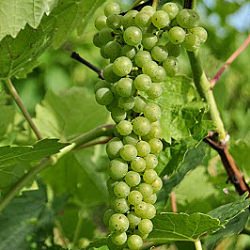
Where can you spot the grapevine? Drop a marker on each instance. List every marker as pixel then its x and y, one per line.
pixel 142 48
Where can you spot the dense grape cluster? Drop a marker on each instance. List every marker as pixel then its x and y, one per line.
pixel 142 47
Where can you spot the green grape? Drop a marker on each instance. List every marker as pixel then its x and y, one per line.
pixel 109 75
pixel 132 178
pixel 173 49
pixel 132 36
pixel 148 9
pixel 108 213
pixel 192 42
pixel 106 35
pixel 157 184
pixel 151 161
pixel 119 238
pixel 145 189
pixel 138 164
pixel 112 50
pixel 135 197
pixel 145 226
pixel 149 176
pixel 133 220
pixel 128 19
pixel 187 18
pixel 152 112
pixel 150 199
pixel 100 22
pixel 101 84
pixel 118 222
pixel 160 75
pixel 142 82
pixel 122 66
pixel 97 41
pixel 124 127
pixel 118 114
pixel 130 139
pixel 120 205
pixel 159 53
pixel 176 35
pixel 124 87
pixel 141 126
pixel 118 169
pixel 140 209
pixel 160 19
pixel 155 145
pixel 112 8
pixel 143 148
pixel 150 68
pixel 128 152
pixel 149 40
pixel 172 9
pixel 128 51
pixel 113 147
pixel 171 66
pixel 142 57
pixel 155 90
pixel 142 19
pixel 150 212
pixel 121 189
pixel 200 32
pixel 155 131
pixel 114 21
pixel 104 96
pixel 134 242
pixel 139 104
pixel 126 103
pixel 110 186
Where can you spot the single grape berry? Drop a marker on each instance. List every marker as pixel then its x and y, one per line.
pixel 119 238
pixel 134 242
pixel 124 127
pixel 122 66
pixel 160 19
pixel 187 18
pixel 132 36
pixel 176 35
pixel 104 96
pixel 128 152
pixel 172 9
pixel 118 222
pixel 112 8
pixel 141 126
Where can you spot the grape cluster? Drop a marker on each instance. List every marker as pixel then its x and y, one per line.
pixel 142 48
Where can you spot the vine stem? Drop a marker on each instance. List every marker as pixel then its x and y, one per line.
pixel 105 130
pixel 198 245
pixel 77 230
pixel 23 109
pixel 173 202
pixel 155 4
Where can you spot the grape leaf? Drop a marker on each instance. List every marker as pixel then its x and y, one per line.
pixel 14 15
pixel 182 227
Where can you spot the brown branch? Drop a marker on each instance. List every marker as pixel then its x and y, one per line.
pixel 78 58
pixel 233 172
pixel 173 202
pixel 90 144
pixel 229 61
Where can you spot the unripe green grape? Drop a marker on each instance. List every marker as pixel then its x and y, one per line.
pixel 112 8
pixel 130 139
pixel 126 103
pixel 108 213
pixel 112 49
pixel 135 197
pixel 113 147
pixel 132 178
pixel 159 53
pixel 133 220
pixel 118 169
pixel 141 126
pixel 134 242
pixel 157 184
pixel 155 145
pixel 118 114
pixel 118 222
pixel 128 19
pixel 101 84
pixel 106 35
pixel 173 49
pixel 149 40
pixel 192 42
pixel 160 19
pixel 187 18
pixel 104 96
pixel 151 161
pixel 119 238
pixel 140 209
pixel 97 41
pixel 124 87
pixel 149 176
pixel 138 164
pixel 152 112
pixel 139 104
pixel 160 75
pixel 145 189
pixel 145 226
pixel 114 21
pixel 150 199
pixel 109 75
pixel 142 58
pixel 171 66
pixel 122 66
pixel 148 9
pixel 120 205
pixel 142 19
pixel 150 68
pixel 155 91
pixel 143 148
pixel 128 152
pixel 142 82
pixel 128 51
pixel 121 189
pixel 132 36
pixel 172 9
pixel 150 212
pixel 100 22
pixel 200 32
pixel 124 127
pixel 176 35
pixel 155 132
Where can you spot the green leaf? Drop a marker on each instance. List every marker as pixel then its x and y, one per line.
pixel 14 15
pixel 182 227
